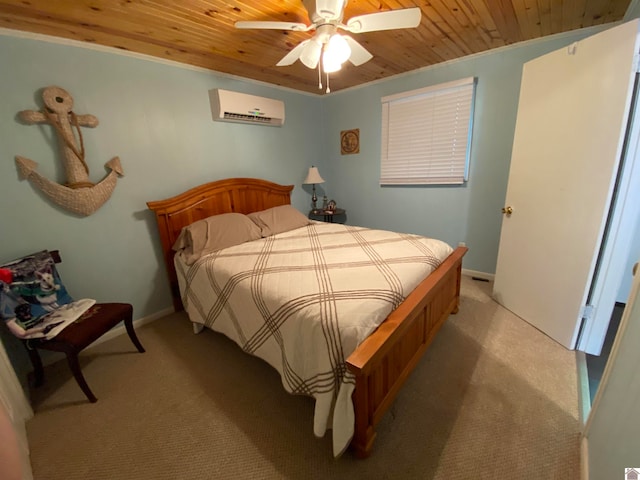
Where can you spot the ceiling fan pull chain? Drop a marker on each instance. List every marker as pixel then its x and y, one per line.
pixel 328 89
pixel 319 78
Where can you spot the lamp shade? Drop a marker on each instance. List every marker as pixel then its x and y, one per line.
pixel 329 65
pixel 338 49
pixel 313 176
pixel 311 54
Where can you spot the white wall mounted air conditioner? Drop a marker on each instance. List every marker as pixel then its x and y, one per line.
pixel 228 106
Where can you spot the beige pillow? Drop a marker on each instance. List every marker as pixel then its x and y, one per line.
pixel 279 219
pixel 214 233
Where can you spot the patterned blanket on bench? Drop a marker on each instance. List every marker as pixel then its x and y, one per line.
pixel 34 302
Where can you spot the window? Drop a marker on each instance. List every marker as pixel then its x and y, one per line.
pixel 426 135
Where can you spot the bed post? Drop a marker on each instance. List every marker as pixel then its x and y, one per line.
pixel 364 434
pixel 458 282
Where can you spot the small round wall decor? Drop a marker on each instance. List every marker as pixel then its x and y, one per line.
pixel 350 141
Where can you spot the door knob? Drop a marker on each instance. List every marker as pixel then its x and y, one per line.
pixel 507 210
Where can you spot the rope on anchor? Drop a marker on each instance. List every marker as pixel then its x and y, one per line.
pixel 74 121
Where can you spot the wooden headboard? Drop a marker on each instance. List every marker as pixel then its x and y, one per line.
pixel 240 195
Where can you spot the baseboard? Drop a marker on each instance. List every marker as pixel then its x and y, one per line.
pixel 584 409
pixel 584 458
pixel 474 273
pixel 584 394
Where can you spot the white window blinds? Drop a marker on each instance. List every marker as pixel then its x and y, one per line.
pixel 426 134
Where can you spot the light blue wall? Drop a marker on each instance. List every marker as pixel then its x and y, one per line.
pixel 156 118
pixel 469 213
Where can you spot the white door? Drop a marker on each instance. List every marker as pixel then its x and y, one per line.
pixel 572 116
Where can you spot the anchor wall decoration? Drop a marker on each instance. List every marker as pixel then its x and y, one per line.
pixel 78 195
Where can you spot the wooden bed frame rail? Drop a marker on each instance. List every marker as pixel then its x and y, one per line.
pixel 383 362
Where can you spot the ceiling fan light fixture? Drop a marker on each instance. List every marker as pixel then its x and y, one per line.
pixel 311 54
pixel 329 64
pixel 338 49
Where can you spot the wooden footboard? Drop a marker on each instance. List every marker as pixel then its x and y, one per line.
pixel 383 362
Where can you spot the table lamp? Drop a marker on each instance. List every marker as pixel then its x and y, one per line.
pixel 313 177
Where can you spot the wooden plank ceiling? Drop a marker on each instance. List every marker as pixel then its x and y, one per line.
pixel 202 32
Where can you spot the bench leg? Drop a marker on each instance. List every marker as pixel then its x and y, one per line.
pixel 74 365
pixel 38 371
pixel 128 323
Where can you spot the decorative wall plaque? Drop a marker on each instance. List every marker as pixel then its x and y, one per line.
pixel 350 141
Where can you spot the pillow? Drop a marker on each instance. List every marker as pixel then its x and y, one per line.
pixel 214 233
pixel 30 291
pixel 279 219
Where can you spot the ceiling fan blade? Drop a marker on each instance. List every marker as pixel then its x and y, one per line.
pixel 297 27
pixel 359 54
pixel 373 22
pixel 293 55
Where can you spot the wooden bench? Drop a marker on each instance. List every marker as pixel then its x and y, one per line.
pixel 94 323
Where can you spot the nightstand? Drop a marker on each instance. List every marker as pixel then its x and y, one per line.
pixel 327 215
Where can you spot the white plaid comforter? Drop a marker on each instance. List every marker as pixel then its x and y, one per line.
pixel 305 299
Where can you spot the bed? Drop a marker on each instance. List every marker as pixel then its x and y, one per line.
pixel 380 363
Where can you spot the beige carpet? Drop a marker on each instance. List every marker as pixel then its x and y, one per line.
pixel 493 398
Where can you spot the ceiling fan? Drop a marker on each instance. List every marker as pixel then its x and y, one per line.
pixel 326 44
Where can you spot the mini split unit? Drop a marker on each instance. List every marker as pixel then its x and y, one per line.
pixel 227 106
